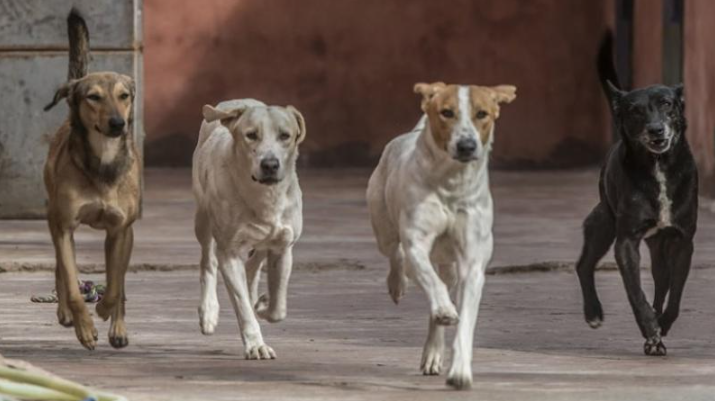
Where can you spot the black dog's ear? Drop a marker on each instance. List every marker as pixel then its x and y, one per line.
pixel 679 91
pixel 614 94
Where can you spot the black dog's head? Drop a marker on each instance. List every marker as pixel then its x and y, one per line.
pixel 652 117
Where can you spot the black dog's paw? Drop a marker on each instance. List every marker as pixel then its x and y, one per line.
pixel 654 347
pixel 594 315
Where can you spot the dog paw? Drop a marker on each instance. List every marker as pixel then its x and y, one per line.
pixel 396 286
pixel 208 318
pixel 264 311
pixel 118 337
pixel 86 333
pixel 431 364
pixel 594 315
pixel 64 316
pixel 654 347
pixel 261 351
pixel 446 316
pixel 460 376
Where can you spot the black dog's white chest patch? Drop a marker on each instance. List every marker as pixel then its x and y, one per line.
pixel 664 203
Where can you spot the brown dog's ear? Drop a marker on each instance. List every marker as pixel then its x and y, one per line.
pixel 226 116
pixel 428 91
pixel 503 93
pixel 130 84
pixel 63 92
pixel 301 123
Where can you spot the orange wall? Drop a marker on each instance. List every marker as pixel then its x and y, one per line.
pixel 349 66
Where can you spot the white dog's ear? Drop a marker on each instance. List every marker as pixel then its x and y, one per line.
pixel 428 91
pixel 301 123
pixel 226 116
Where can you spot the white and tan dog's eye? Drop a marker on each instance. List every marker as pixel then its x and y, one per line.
pixel 94 97
pixel 481 114
pixel 252 135
pixel 284 136
pixel 124 96
pixel 447 113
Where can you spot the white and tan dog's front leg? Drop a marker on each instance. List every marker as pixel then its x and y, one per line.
pixel 417 244
pixel 469 296
pixel 274 306
pixel 234 275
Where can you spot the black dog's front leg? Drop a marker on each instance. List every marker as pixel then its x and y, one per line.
pixel 628 259
pixel 679 252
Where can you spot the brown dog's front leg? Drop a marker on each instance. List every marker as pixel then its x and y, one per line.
pixel 118 249
pixel 67 271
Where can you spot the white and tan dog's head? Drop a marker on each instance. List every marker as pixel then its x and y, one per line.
pixel 462 117
pixel 268 136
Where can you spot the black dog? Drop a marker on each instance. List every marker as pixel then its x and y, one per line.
pixel 648 191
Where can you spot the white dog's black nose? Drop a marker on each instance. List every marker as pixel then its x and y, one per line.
pixel 270 166
pixel 466 147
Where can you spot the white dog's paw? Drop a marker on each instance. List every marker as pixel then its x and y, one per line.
pixel 260 351
pixel 396 285
pixel 264 311
pixel 208 318
pixel 431 364
pixel 446 315
pixel 460 376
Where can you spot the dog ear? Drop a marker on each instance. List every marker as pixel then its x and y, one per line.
pixel 301 123
pixel 131 85
pixel 226 116
pixel 614 94
pixel 64 92
pixel 428 91
pixel 680 92
pixel 503 93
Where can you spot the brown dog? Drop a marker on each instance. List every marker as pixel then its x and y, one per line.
pixel 92 177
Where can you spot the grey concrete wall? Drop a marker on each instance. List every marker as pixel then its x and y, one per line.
pixel 33 63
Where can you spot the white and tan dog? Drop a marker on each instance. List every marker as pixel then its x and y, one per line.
pixel 432 213
pixel 249 210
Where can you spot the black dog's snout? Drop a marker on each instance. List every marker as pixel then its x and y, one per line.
pixel 657 130
pixel 270 166
pixel 466 147
pixel 117 123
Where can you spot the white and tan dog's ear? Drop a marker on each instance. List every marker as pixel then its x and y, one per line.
pixel 226 116
pixel 301 123
pixel 503 93
pixel 428 91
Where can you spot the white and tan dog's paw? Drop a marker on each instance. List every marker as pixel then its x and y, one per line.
pixel 208 317
pixel 264 311
pixel 446 315
pixel 396 286
pixel 259 351
pixel 431 364
pixel 460 376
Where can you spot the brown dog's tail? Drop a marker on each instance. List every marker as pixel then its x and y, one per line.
pixel 79 45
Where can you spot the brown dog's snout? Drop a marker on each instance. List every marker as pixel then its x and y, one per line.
pixel 117 124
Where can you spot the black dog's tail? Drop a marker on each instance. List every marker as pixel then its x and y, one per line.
pixel 79 45
pixel 606 65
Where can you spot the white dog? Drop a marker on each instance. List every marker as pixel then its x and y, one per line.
pixel 432 213
pixel 249 210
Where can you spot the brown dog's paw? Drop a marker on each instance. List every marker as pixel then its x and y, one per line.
pixel 86 333
pixel 64 316
pixel 118 341
pixel 118 337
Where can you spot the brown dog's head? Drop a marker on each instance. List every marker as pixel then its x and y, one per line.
pixel 462 117
pixel 100 103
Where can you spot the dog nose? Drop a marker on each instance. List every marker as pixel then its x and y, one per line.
pixel 270 165
pixel 466 146
pixel 116 123
pixel 656 129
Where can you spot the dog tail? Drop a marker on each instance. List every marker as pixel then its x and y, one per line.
pixel 79 45
pixel 606 65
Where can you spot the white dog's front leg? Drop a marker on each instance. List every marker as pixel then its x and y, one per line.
pixel 469 296
pixel 234 275
pixel 274 307
pixel 209 307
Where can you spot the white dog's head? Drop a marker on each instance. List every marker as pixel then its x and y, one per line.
pixel 268 136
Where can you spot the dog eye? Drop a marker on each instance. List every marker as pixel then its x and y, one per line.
pixel 94 97
pixel 252 135
pixel 665 103
pixel 284 136
pixel 447 113
pixel 481 114
pixel 124 96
